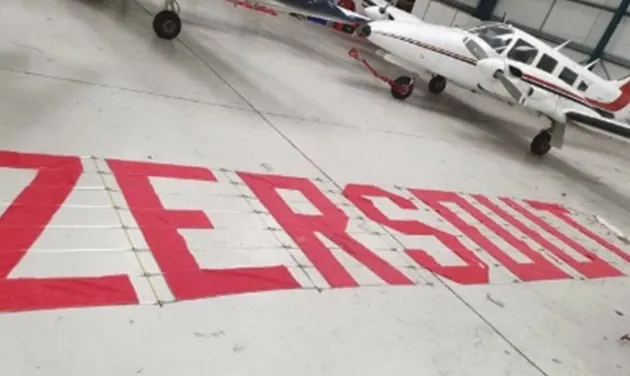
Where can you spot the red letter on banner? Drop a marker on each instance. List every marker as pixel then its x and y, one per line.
pixel 562 213
pixel 24 221
pixel 539 269
pixel 595 268
pixel 475 271
pixel 591 269
pixel 160 228
pixel 332 223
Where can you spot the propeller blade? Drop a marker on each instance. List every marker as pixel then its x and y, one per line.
pixel 475 49
pixel 514 91
pixel 480 53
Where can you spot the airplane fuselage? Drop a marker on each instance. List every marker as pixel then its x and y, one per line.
pixel 426 45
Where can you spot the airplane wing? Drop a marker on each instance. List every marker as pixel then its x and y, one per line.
pixel 357 17
pixel 332 13
pixel 595 121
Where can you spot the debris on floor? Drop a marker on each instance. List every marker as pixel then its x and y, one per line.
pixel 495 301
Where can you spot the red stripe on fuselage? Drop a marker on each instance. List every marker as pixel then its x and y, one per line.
pixel 618 104
pixel 430 47
pixel 622 101
pixel 558 90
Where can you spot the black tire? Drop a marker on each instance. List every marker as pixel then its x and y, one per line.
pixel 167 24
pixel 400 84
pixel 349 29
pixel 541 144
pixel 437 84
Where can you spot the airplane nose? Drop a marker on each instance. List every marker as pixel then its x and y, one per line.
pixel 364 31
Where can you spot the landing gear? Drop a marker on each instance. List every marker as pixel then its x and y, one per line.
pixel 437 84
pixel 167 24
pixel 545 139
pixel 541 144
pixel 348 29
pixel 402 87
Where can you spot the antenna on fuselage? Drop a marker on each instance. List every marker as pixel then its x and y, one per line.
pixel 561 46
pixel 504 17
pixel 590 65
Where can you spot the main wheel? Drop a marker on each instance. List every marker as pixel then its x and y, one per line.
pixel 349 29
pixel 541 144
pixel 437 84
pixel 167 24
pixel 402 87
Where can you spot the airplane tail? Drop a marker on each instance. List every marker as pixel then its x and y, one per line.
pixel 623 101
pixel 624 84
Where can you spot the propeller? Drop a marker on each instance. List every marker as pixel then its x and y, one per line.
pixel 497 66
pixel 514 91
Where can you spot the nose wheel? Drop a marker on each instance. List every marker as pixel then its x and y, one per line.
pixel 402 87
pixel 167 24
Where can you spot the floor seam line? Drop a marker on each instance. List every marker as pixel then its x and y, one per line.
pixel 125 89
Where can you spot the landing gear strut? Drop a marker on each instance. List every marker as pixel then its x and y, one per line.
pixel 437 84
pixel 167 24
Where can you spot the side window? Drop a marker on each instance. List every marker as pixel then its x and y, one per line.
pixel 583 86
pixel 523 52
pixel 546 63
pixel 568 76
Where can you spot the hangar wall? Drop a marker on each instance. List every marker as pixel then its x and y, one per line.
pixel 582 21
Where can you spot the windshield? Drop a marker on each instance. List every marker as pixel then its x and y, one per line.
pixel 498 36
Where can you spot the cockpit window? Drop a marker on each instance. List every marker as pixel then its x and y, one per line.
pixel 498 36
pixel 523 52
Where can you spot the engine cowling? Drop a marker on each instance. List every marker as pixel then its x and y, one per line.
pixel 489 67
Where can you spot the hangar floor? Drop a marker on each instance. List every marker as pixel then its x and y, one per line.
pixel 258 102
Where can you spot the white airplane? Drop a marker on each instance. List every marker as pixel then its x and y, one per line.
pixel 167 23
pixel 505 62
